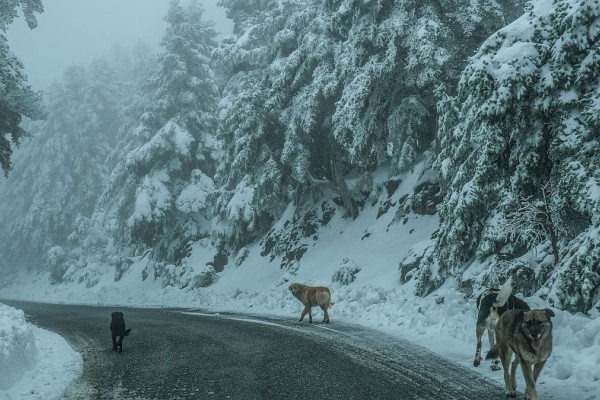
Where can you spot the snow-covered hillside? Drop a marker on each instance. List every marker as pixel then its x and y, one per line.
pixel 368 248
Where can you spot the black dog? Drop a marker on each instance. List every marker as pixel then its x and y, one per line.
pixel 117 328
pixel 492 303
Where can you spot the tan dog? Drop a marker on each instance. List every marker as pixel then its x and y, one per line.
pixel 312 296
pixel 527 335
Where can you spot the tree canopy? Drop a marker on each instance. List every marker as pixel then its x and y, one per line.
pixel 523 129
pixel 17 99
pixel 213 141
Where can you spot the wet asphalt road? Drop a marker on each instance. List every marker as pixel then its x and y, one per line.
pixel 192 355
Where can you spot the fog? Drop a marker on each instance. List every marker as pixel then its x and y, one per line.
pixel 77 31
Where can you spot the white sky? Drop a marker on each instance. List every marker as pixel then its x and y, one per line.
pixel 77 31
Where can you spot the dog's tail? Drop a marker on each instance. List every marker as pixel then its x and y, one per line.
pixel 493 353
pixel 127 331
pixel 504 294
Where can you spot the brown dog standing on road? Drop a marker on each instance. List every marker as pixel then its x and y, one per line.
pixel 528 335
pixel 312 296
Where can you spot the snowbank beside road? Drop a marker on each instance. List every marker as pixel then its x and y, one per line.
pixel 34 363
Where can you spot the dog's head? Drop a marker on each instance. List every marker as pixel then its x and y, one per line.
pixel 117 314
pixel 296 287
pixel 537 326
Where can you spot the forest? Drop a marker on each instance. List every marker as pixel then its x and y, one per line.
pixel 213 139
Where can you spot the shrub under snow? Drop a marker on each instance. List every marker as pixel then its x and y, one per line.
pixel 347 272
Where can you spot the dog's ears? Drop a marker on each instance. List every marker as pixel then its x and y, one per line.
pixel 549 313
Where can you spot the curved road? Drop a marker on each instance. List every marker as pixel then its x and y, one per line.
pixel 187 354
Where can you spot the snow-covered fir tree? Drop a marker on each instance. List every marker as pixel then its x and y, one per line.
pixel 251 180
pixel 156 197
pixel 59 173
pixel 523 127
pixel 17 99
pixel 319 88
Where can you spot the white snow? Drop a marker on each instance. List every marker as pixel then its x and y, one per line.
pixel 193 197
pixel 151 198
pixel 239 207
pixel 443 322
pixel 34 363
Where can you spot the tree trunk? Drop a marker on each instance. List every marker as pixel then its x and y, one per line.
pixel 550 227
pixel 340 186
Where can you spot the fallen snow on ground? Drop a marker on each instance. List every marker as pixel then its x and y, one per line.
pixel 34 363
pixel 444 323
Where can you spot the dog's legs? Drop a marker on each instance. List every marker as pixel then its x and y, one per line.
pixel 537 369
pixel 491 337
pixel 530 392
pixel 309 314
pixel 114 340
pixel 306 309
pixel 478 334
pixel 513 373
pixel 120 343
pixel 325 314
pixel 495 366
pixel 505 356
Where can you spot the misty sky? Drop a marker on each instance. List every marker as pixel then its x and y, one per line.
pixel 77 31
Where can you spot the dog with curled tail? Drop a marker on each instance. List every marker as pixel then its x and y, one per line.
pixel 491 304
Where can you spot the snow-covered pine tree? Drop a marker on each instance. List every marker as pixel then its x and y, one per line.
pixel 156 195
pixel 252 185
pixel 525 118
pixel 337 85
pixel 17 99
pixel 391 57
pixel 59 173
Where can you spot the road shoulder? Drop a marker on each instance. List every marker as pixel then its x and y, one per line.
pixel 57 367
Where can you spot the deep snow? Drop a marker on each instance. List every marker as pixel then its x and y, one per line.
pixel 35 364
pixel 443 321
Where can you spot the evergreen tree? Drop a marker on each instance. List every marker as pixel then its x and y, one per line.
pixel 60 172
pixel 251 178
pixel 17 99
pixel 335 86
pixel 524 125
pixel 165 162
